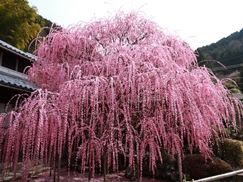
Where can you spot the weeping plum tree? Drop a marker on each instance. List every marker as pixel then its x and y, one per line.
pixel 117 86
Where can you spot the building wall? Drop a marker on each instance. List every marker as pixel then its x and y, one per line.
pixel 12 63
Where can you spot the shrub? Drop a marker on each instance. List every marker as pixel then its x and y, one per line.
pixel 131 174
pixel 196 166
pixel 167 170
pixel 230 151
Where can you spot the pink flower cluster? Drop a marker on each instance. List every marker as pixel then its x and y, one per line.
pixel 119 86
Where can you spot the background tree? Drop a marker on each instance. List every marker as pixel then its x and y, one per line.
pixel 18 22
pixel 241 80
pixel 117 86
pixel 228 51
pixel 45 25
pixel 200 55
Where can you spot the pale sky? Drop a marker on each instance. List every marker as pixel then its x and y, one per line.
pixel 198 22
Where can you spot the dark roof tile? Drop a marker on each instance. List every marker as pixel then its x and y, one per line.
pixel 15 82
pixel 13 49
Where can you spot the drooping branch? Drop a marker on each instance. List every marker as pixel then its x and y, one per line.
pixel 119 86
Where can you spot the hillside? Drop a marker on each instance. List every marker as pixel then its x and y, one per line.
pixel 229 52
pixel 20 24
pixel 45 25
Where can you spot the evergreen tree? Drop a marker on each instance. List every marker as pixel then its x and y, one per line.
pixel 241 80
pixel 18 22
pixel 202 60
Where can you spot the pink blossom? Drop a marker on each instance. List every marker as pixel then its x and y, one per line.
pixel 118 86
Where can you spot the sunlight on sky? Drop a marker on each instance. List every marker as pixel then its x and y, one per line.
pixel 199 23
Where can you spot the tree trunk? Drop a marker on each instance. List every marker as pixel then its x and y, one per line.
pixel 59 168
pixel 105 163
pixel 138 172
pixel 180 166
pixel 54 171
pixel 89 168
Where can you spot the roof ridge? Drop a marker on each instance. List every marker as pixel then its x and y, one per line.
pixel 17 51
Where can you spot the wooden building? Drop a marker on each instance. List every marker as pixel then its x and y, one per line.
pixel 12 79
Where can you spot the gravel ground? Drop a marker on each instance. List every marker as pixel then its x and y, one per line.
pixel 64 177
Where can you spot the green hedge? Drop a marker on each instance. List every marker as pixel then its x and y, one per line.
pixel 196 166
pixel 230 151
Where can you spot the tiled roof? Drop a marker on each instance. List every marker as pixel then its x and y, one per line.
pixel 14 50
pixel 11 78
pixel 16 83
